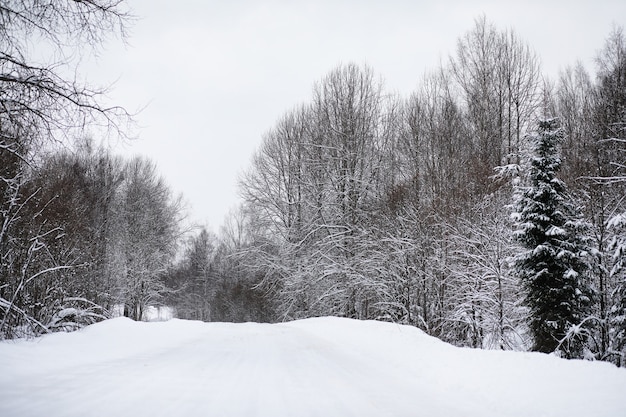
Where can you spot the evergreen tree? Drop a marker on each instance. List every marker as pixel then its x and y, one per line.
pixel 552 267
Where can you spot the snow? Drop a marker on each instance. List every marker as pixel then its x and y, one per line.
pixel 314 367
pixel 618 220
pixel 556 231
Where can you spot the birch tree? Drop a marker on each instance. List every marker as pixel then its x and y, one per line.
pixel 499 78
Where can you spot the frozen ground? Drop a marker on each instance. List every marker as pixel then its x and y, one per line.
pixel 318 367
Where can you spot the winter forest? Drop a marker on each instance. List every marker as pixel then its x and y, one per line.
pixel 487 207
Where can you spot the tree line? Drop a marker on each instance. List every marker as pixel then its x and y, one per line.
pixel 486 208
pixel 364 204
pixel 82 232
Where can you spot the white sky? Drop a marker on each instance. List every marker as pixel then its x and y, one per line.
pixel 215 75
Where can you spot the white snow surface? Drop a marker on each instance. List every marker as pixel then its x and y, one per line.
pixel 316 367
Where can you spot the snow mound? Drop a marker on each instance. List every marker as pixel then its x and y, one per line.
pixel 315 367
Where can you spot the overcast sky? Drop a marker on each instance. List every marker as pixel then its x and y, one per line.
pixel 213 75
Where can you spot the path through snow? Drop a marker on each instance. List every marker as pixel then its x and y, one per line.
pixel 317 367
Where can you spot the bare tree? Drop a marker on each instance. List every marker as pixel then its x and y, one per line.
pixel 149 219
pixel 314 182
pixel 609 123
pixel 39 104
pixel 38 96
pixel 498 78
pixel 484 303
pixel 437 166
pixel 574 99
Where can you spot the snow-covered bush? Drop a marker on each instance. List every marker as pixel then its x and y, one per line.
pixel 76 313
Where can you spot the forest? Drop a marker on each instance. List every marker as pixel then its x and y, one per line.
pixel 485 208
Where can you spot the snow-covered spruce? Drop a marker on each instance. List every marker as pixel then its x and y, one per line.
pixel 553 264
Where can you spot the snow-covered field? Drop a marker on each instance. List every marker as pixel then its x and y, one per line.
pixel 317 367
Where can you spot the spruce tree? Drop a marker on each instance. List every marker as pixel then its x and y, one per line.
pixel 553 265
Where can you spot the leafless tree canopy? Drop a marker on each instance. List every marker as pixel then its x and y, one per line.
pixel 38 102
pixel 365 205
pixel 41 104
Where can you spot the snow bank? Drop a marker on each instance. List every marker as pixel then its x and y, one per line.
pixel 324 366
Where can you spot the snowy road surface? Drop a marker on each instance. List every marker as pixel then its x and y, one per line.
pixel 318 367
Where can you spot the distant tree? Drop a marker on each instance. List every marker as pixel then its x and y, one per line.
pixel 193 280
pixel 242 291
pixel 498 75
pixel 149 227
pixel 220 278
pixel 574 103
pixel 554 264
pixel 313 185
pixel 435 157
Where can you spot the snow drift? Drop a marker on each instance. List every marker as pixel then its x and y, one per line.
pixel 315 367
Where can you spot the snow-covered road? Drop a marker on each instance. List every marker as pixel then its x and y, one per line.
pixel 318 367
